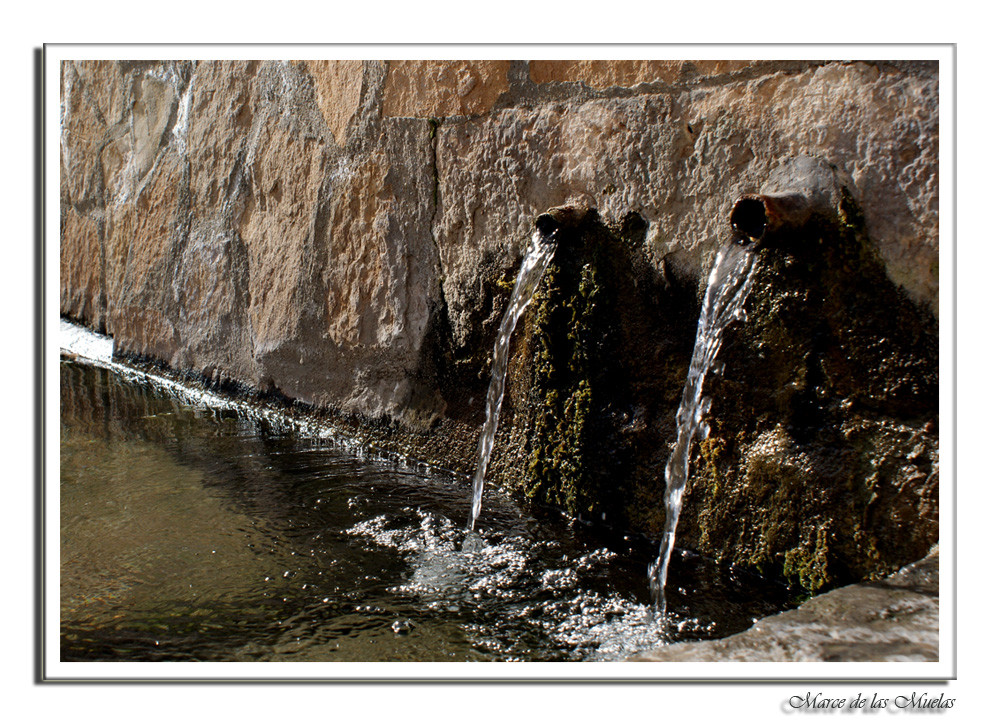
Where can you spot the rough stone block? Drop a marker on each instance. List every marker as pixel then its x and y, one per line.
pixel 442 88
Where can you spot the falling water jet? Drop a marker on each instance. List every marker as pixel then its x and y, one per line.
pixel 550 227
pixel 799 192
pixel 728 285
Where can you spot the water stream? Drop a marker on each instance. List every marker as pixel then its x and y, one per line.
pixel 536 261
pixel 727 288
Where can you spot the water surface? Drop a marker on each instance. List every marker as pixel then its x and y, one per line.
pixel 192 532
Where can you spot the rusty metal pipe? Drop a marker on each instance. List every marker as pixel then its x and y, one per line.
pixel 756 217
pixel 797 192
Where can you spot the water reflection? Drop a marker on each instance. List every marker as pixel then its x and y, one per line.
pixel 192 533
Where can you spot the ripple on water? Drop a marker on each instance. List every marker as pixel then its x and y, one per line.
pixel 192 533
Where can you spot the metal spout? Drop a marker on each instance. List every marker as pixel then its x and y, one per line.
pixel 755 216
pixel 547 225
pixel 797 192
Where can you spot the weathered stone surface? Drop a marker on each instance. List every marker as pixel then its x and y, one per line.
pixel 679 160
pixel 358 310
pixel 82 134
pixel 601 74
pixel 104 80
pixel 522 161
pixel 379 282
pixel 276 226
pixel 338 92
pixel 154 104
pixel 80 268
pixel 876 125
pixel 895 619
pixel 442 88
pixel 209 291
pixel 220 98
pixel 141 237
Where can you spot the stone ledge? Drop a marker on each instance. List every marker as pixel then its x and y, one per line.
pixel 895 619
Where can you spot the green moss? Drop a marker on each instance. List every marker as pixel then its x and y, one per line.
pixel 808 564
pixel 831 357
pixel 506 284
pixel 837 361
pixel 568 341
pixel 599 367
pixel 712 450
pixel 570 330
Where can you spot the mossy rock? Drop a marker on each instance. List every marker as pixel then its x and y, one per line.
pixel 587 378
pixel 821 464
pixel 827 413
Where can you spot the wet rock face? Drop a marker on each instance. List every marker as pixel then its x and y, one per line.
pixel 346 233
pixel 820 466
pixel 822 457
pixel 592 381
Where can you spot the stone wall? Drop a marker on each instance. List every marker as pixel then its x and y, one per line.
pixel 344 233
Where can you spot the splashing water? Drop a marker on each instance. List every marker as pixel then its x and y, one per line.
pixel 275 542
pixel 727 288
pixel 540 253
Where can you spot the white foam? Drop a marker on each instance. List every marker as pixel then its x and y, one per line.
pixel 85 343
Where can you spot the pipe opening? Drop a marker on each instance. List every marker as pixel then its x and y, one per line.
pixel 557 222
pixel 749 219
pixel 547 226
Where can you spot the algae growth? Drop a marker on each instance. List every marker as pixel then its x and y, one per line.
pixel 830 394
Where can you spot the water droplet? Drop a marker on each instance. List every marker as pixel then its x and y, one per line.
pixel 703 429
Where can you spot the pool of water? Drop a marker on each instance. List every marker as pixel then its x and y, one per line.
pixel 193 531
